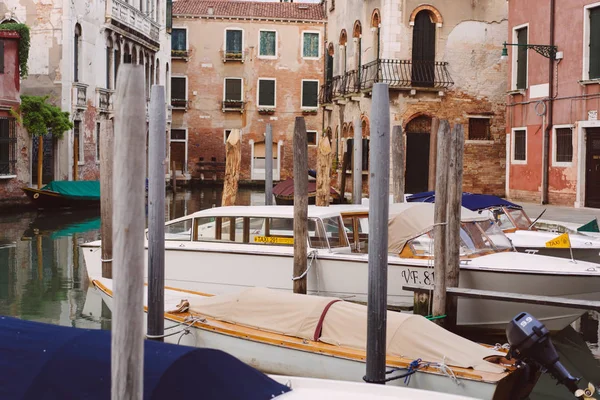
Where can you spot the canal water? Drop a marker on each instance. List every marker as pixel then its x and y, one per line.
pixel 43 278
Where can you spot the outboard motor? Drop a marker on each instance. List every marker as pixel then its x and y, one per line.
pixel 530 342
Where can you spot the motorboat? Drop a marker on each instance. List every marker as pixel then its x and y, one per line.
pixel 222 249
pixel 524 233
pixel 283 333
pixel 44 361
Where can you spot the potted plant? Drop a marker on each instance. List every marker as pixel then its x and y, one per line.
pixel 312 111
pixel 266 111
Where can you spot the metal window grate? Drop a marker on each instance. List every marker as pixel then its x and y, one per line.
pixel 479 129
pixel 520 141
pixel 564 145
pixel 8 145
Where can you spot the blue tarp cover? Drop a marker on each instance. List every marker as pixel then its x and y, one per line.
pixel 49 362
pixel 472 201
pixel 83 190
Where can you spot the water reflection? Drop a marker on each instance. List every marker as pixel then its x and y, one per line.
pixel 43 278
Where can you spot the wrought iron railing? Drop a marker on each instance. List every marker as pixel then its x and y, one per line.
pixel 406 73
pixel 326 93
pixel 8 145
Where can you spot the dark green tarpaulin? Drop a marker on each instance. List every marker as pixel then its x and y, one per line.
pixel 591 226
pixel 83 190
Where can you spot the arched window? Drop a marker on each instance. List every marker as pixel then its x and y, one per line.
pixel 357 38
pixel 76 53
pixel 375 28
pixel 343 41
pixel 423 50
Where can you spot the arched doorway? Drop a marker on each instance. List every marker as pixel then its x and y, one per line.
pixel 423 50
pixel 418 132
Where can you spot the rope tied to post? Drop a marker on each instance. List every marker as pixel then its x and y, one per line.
pixel 312 256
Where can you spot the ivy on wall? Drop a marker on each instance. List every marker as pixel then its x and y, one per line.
pixel 39 117
pixel 24 42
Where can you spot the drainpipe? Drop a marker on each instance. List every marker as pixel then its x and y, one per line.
pixel 549 119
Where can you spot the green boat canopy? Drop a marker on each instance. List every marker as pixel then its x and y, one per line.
pixel 83 190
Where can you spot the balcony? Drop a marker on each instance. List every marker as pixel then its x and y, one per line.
pixel 407 74
pixel 80 95
pixel 104 99
pixel 233 105
pixel 132 18
pixel 179 104
pixel 236 56
pixel 180 54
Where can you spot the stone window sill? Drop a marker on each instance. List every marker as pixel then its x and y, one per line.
pixel 482 142
pixel 8 176
pixel 515 92
pixel 590 82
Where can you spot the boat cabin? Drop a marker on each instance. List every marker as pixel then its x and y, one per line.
pixel 260 225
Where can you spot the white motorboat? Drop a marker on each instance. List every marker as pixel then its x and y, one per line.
pixel 222 249
pixel 322 337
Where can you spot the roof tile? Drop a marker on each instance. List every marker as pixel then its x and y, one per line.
pixel 229 8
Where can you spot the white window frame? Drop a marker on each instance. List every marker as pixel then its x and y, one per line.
pixel 585 75
pixel 554 145
pixel 258 93
pixel 268 57
pixel 233 28
pixel 187 36
pixel 186 87
pixel 81 149
pixel 225 86
pixel 258 174
pixel 316 137
pixel 514 53
pixel 179 141
pixel 320 46
pixel 302 94
pixel 513 144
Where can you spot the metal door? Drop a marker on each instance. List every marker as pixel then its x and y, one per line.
pixel 592 165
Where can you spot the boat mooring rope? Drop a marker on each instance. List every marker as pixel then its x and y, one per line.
pixel 187 323
pixel 417 364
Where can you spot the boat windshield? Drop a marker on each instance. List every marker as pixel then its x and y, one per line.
pixel 520 219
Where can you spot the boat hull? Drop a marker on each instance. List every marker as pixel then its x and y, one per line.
pixel 281 360
pixel 43 199
pixel 589 255
pixel 346 276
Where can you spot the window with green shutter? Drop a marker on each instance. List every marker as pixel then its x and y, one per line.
pixel 268 43
pixel 1 56
pixel 233 42
pixel 310 93
pixel 594 71
pixel 310 45
pixel 233 89
pixel 522 58
pixel 266 92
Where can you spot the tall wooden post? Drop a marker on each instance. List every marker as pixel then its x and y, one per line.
pixel 323 172
pixel 157 154
pixel 300 204
pixel 128 234
pixel 455 178
pixel 433 137
pixel 398 163
pixel 40 166
pixel 378 240
pixel 269 165
pixel 357 169
pixel 346 158
pixel 232 168
pixel 174 178
pixel 106 195
pixel 440 229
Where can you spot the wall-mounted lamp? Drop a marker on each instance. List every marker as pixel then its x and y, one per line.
pixel 542 49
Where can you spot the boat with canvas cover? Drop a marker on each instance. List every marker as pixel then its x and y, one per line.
pixel 220 250
pixel 66 194
pixel 324 337
pixel 44 361
pixel 523 232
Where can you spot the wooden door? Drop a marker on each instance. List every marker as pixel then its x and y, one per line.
pixel 423 50
pixel 417 162
pixel 592 166
pixel 178 156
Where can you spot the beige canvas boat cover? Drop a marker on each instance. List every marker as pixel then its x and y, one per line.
pixel 410 220
pixel 343 324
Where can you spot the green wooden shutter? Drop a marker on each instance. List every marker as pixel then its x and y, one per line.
pixel 310 94
pixel 594 43
pixel 522 59
pixel 1 56
pixel 266 93
pixel 233 89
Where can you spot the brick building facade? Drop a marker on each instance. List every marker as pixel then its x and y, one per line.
pixel 553 101
pixel 441 60
pixel 241 65
pixel 14 156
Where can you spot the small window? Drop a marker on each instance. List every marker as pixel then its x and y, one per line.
pixel 233 89
pixel 521 59
pixel 564 145
pixel 311 138
pixel 479 129
pixel 8 143
pixel 179 39
pixel 520 145
pixel 179 91
pixel 97 141
pixel 180 231
pixel 233 43
pixel 1 56
pixel 268 44
pixel 310 94
pixel 334 229
pixel 310 45
pixel 178 134
pixel 266 92
pixel 226 134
